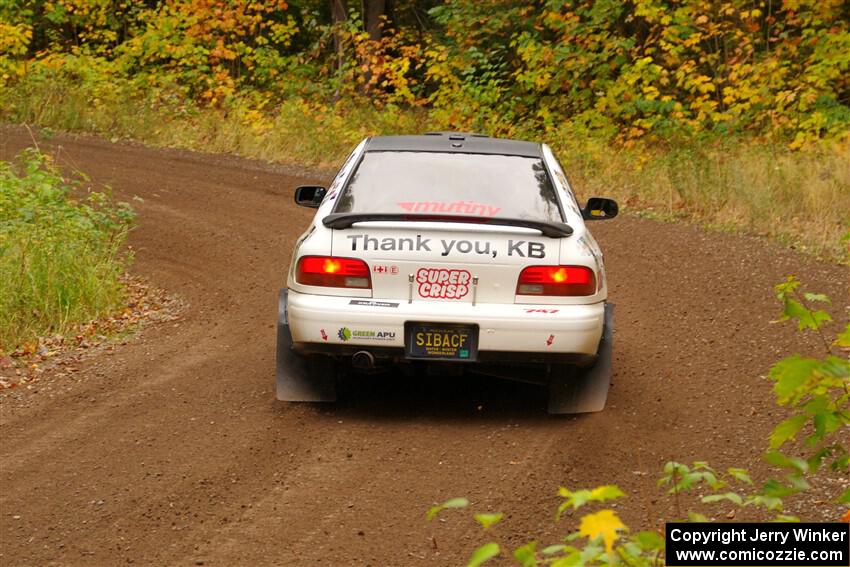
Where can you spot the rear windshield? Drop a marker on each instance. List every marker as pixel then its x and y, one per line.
pixel 451 184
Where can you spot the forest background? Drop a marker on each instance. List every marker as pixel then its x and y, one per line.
pixel 735 114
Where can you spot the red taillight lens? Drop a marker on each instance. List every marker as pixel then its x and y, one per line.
pixel 556 280
pixel 330 271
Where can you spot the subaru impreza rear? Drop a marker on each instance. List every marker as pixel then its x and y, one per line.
pixel 453 251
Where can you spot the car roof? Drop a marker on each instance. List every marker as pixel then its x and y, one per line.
pixel 454 142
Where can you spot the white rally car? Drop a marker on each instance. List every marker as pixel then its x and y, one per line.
pixel 434 251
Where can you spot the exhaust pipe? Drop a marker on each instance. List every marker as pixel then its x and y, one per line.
pixel 363 360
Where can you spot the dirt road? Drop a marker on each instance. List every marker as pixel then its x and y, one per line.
pixel 174 451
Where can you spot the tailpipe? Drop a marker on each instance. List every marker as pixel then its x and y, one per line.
pixel 363 360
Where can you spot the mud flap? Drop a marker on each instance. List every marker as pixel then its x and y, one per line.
pixel 586 390
pixel 299 378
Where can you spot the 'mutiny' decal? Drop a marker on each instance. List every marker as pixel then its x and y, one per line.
pixel 460 207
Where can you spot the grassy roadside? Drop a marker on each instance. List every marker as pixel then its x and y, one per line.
pixel 800 198
pixel 61 251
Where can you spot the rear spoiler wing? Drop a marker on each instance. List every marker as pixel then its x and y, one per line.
pixel 345 220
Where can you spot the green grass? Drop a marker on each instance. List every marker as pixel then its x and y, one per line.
pixel 61 251
pixel 799 198
pixel 794 197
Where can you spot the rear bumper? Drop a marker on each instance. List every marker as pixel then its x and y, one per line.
pixel 525 333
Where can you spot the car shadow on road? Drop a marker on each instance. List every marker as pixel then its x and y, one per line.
pixel 393 396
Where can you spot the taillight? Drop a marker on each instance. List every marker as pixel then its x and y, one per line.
pixel 556 280
pixel 330 271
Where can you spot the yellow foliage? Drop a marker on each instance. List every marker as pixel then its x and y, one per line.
pixel 604 524
pixel 676 68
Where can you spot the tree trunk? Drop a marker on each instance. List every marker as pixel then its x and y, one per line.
pixel 372 12
pixel 339 13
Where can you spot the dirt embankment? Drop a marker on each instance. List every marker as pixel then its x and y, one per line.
pixel 174 451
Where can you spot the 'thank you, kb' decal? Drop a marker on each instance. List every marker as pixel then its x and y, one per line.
pixel 448 247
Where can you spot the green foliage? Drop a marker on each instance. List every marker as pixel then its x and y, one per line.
pixel 603 533
pixel 645 67
pixel 448 504
pixel 579 498
pixel 624 70
pixel 816 390
pixel 798 197
pixel 15 37
pixel 793 308
pixel 483 554
pixel 60 250
pixel 212 46
pixel 488 520
pixel 817 393
pixel 664 83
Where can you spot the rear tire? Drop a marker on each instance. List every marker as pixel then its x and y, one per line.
pixel 300 378
pixel 584 390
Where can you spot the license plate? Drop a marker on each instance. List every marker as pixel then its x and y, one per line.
pixel 441 341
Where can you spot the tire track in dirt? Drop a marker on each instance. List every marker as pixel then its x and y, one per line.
pixel 179 435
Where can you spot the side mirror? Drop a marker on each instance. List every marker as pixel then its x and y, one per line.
pixel 600 208
pixel 310 196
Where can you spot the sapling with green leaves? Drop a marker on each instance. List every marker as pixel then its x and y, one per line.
pixel 816 392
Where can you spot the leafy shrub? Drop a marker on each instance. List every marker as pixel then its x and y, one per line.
pixel 817 391
pixel 645 68
pixel 684 109
pixel 60 249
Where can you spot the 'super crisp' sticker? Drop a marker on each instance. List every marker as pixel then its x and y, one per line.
pixel 443 283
